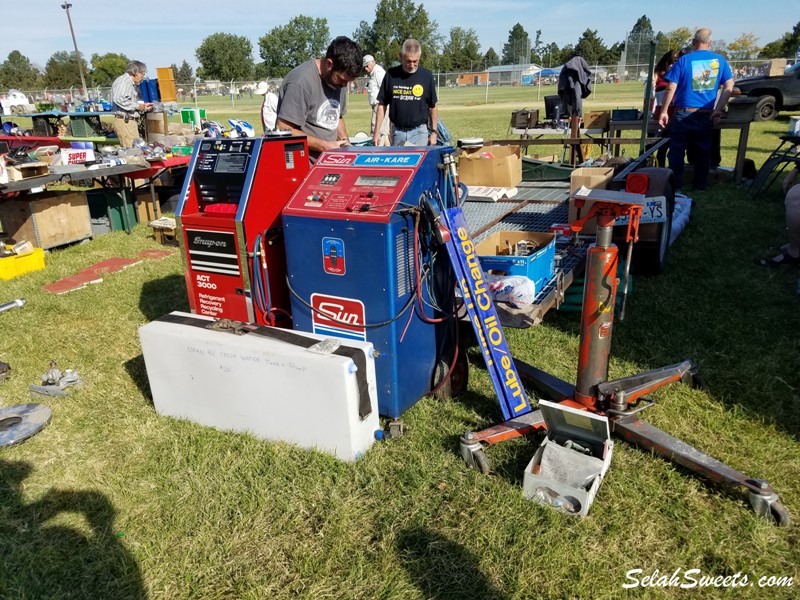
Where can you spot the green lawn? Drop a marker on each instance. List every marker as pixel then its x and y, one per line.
pixel 113 501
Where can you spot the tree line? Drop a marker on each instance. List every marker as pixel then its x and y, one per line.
pixel 229 57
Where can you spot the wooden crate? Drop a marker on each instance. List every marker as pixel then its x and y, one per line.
pixel 47 220
pixel 27 170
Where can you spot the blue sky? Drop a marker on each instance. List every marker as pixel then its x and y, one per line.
pixel 161 33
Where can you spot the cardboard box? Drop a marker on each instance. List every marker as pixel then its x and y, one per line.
pixel 559 474
pixel 492 166
pixel 27 170
pixel 156 123
pixel 495 254
pixel 777 67
pixel 596 119
pixel 594 178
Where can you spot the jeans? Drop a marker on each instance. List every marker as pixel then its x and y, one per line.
pixel 690 130
pixel 410 137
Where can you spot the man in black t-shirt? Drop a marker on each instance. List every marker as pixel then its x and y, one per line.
pixel 410 92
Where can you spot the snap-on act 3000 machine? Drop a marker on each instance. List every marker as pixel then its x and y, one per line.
pixel 229 219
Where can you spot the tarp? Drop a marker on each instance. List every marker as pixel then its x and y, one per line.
pixel 548 71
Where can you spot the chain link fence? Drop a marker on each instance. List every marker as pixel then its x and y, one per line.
pixel 631 67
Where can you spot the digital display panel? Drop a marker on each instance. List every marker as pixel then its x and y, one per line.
pixel 377 180
pixel 231 163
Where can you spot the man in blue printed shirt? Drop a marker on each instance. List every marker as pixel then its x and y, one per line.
pixel 694 80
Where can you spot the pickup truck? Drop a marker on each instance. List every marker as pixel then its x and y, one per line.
pixel 775 93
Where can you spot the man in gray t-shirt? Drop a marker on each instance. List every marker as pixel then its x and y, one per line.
pixel 312 97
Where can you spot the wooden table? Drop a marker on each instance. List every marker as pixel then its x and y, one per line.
pixel 616 127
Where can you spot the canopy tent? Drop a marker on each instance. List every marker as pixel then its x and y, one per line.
pixel 548 71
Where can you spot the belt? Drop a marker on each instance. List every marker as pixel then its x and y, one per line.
pixel 410 128
pixel 694 110
pixel 120 116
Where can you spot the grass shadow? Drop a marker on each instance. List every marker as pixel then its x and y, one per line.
pixel 442 569
pixel 161 296
pixel 138 373
pixel 42 559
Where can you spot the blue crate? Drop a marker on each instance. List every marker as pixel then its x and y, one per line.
pixel 538 266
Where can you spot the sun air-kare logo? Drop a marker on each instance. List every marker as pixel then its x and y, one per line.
pixel 340 317
pixel 336 159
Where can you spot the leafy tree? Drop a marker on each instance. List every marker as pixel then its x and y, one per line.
pixel 226 57
pixel 286 46
pixel 61 71
pixel 673 40
pixel 784 47
pixel 744 47
pixel 518 47
pixel 551 55
pixel 184 73
pixel 107 67
pixel 612 55
pixel 563 54
pixel 17 72
pixel 461 52
pixel 591 47
pixel 396 21
pixel 490 58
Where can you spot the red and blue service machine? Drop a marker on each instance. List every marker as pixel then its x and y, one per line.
pixel 364 264
pixel 229 217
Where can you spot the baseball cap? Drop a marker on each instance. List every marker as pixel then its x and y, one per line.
pixel 368 58
pixel 262 88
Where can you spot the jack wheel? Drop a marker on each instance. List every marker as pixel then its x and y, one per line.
pixel 779 514
pixel 482 462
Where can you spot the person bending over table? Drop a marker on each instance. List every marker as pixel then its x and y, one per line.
pixel 127 102
pixel 312 98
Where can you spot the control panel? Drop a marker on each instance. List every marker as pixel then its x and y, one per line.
pixel 356 185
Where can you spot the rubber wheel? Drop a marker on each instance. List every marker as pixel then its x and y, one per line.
pixel 779 514
pixel 482 462
pixel 766 109
pixel 650 258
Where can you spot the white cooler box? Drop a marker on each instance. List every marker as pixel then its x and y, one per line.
pixel 269 382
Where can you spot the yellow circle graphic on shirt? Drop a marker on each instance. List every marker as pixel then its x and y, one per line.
pixel 417 90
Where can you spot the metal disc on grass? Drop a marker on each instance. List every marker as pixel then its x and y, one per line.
pixel 21 421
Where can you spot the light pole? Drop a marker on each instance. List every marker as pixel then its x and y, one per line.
pixel 66 6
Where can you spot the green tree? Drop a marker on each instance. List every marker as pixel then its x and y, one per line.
pixel 518 47
pixel 591 47
pixel 612 55
pixel 744 47
pixel 107 67
pixel 61 71
pixel 184 73
pixel 551 55
pixel 396 21
pixel 491 58
pixel 17 72
pixel 226 57
pixel 536 48
pixel 673 40
pixel 461 52
pixel 785 46
pixel 286 46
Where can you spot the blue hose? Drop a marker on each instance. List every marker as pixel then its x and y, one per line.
pixel 261 291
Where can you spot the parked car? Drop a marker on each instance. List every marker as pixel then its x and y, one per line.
pixel 774 93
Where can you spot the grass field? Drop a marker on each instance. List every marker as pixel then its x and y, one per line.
pixel 113 501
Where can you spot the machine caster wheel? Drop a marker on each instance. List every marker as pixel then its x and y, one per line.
pixel 396 429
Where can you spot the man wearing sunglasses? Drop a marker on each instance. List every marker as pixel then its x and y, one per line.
pixel 312 97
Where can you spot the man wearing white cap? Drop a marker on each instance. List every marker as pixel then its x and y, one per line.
pixel 269 108
pixel 376 73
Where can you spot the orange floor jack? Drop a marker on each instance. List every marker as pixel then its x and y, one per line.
pixel 621 399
